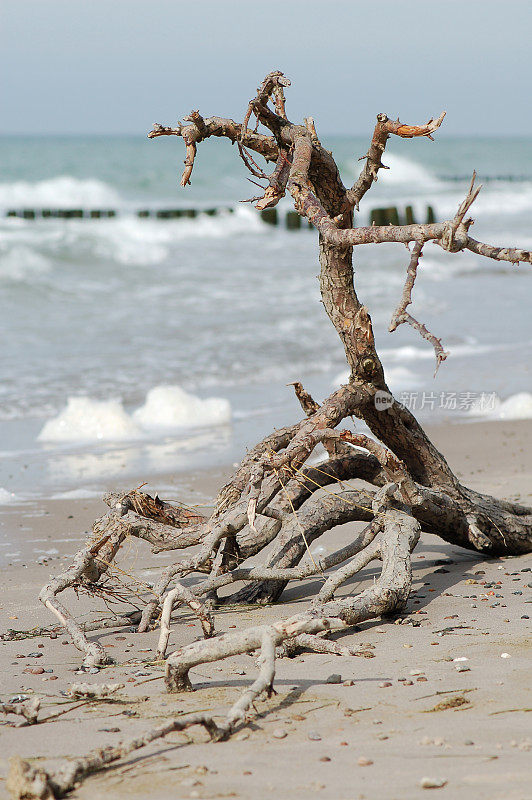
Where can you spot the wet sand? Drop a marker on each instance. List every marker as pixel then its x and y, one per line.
pixel 371 735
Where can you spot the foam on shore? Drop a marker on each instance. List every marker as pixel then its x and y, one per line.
pixel 165 408
pixel 7 498
pixel 172 407
pixel 85 419
pixel 517 406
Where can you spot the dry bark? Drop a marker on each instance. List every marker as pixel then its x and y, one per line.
pixel 405 484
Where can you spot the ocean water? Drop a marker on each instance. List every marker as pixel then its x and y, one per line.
pixel 135 347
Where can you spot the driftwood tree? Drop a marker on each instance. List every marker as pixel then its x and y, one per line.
pixel 273 496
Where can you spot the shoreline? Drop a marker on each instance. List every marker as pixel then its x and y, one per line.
pixel 490 456
pixel 314 731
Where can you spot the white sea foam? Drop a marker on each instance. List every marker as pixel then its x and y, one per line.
pixel 30 247
pixel 77 494
pixel 21 262
pixel 172 407
pixel 405 353
pixel 130 240
pixel 517 406
pixel 85 419
pixel 165 408
pixel 7 498
pixel 404 171
pixel 499 199
pixel 411 353
pixel 400 378
pixel 63 191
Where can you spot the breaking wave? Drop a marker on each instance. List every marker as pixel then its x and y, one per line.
pixel 31 247
pixel 21 262
pixel 64 191
pixel 403 171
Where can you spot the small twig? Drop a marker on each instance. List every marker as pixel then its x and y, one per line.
pixel 455 236
pixel 401 315
pixel 508 711
pixel 250 163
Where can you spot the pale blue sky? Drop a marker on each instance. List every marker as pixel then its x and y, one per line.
pixel 116 66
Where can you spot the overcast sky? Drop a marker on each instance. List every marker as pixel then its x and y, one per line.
pixel 116 66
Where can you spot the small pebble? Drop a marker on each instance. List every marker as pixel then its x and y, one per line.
pixel 279 733
pixel 462 668
pixel 33 670
pixel 325 758
pixel 469 742
pixel 35 655
pixel 505 655
pixel 314 736
pixel 334 678
pixel 364 762
pixel 384 684
pixel 109 730
pixel 432 783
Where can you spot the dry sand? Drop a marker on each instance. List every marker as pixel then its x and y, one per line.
pixel 308 739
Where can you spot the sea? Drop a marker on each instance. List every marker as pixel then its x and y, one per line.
pixel 133 346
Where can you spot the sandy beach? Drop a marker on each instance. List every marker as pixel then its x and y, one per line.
pixel 225 289
pixel 338 727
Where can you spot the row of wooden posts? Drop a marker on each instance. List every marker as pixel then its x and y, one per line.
pixel 291 220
